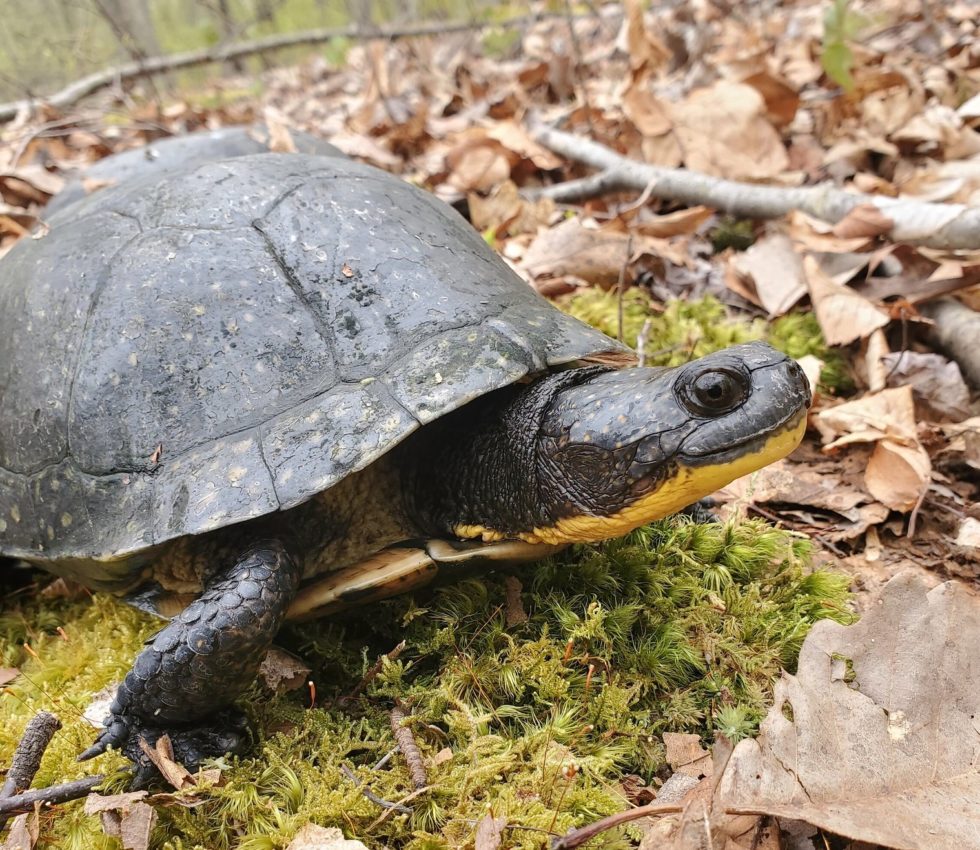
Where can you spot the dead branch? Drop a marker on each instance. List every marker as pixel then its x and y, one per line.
pixel 957 331
pixel 935 225
pixel 27 757
pixel 406 743
pixel 49 796
pixel 87 85
pixel 367 792
pixel 578 837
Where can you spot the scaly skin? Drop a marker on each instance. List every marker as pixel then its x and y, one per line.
pixel 200 661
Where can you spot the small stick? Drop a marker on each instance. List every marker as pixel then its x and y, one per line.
pixel 372 674
pixel 578 837
pixel 21 803
pixel 406 743
pixel 27 757
pixel 621 287
pixel 641 342
pixel 367 792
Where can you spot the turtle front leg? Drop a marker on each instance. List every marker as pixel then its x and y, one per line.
pixel 200 662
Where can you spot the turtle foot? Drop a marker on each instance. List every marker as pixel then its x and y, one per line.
pixel 223 733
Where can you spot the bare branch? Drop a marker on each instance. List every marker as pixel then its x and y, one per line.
pixel 49 796
pixel 948 226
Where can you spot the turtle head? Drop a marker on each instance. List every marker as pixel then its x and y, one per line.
pixel 626 447
pixel 588 454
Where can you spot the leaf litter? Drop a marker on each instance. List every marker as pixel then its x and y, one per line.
pixel 881 102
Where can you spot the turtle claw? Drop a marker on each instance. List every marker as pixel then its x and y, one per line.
pixel 225 732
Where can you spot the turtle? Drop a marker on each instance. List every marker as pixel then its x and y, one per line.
pixel 177 152
pixel 270 386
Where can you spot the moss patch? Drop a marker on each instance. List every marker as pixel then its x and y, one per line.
pixel 684 330
pixel 680 626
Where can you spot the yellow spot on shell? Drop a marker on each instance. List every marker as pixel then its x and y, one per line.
pixel 66 520
pixel 236 474
pixel 3 525
pixel 15 513
pixel 133 360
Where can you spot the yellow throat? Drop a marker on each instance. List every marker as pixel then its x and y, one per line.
pixel 686 486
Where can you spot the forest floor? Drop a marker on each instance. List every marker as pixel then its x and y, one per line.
pixel 880 98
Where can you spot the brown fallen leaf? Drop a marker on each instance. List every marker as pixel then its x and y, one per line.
pixel 7 675
pixel 282 671
pixel 124 816
pixel 313 837
pixel 899 468
pixel 875 737
pixel 844 316
pixel 596 256
pixel 723 130
pixel 774 271
pixel 24 830
pixel 162 756
pixel 686 755
pixel 506 212
pixel 863 220
pixel 938 387
pixel 477 165
pixel 489 832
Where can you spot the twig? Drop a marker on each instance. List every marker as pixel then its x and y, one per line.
pixel 406 743
pixel 936 225
pixel 372 674
pixel 367 792
pixel 641 342
pixel 621 285
pixel 49 796
pixel 228 52
pixel 27 757
pixel 406 799
pixel 578 837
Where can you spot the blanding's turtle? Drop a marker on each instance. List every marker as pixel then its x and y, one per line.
pixel 179 152
pixel 263 387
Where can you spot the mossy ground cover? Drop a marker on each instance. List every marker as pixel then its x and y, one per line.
pixel 679 627
pixel 684 330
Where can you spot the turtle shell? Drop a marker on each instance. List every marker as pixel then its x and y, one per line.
pixel 180 152
pixel 184 353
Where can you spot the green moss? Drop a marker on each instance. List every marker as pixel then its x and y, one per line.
pixel 678 626
pixel 688 329
pixel 732 233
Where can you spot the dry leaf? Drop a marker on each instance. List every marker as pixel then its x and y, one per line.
pixel 313 837
pixel 875 737
pixel 844 316
pixel 686 755
pixel 775 271
pixel 477 166
pixel 489 832
pixel 899 468
pixel 506 212
pixel 969 533
pixel 7 675
pixel 781 99
pixel 681 223
pixel 897 474
pixel 282 671
pixel 162 756
pixel 937 384
pixel 597 256
pixel 124 816
pixel 515 138
pixel 23 833
pixel 864 220
pixel 642 47
pixel 723 130
pixel 441 757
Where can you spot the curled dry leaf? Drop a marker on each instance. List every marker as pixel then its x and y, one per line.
pixel 864 220
pixel 162 756
pixel 875 737
pixel 23 833
pixel 124 816
pixel 596 256
pixel 506 212
pixel 774 272
pixel 282 671
pixel 937 384
pixel 489 832
pixel 844 316
pixel 899 468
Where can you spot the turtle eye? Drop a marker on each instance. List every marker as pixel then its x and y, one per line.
pixel 715 392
